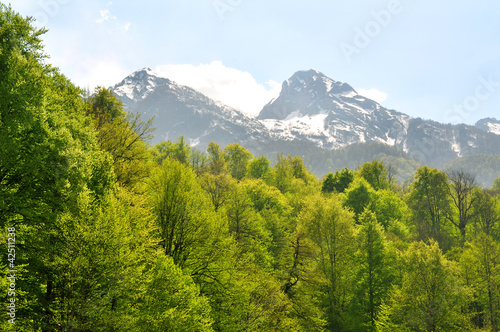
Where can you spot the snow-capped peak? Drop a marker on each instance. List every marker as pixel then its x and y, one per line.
pixel 311 108
pixel 490 125
pixel 311 92
pixel 138 85
pixel 315 80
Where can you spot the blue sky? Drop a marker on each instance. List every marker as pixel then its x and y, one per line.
pixel 436 60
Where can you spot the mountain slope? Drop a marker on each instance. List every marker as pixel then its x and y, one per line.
pixel 489 125
pixel 312 112
pixel 179 110
pixel 332 115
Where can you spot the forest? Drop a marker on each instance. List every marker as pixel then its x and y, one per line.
pixel 103 232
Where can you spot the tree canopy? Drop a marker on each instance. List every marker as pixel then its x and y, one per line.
pixel 112 234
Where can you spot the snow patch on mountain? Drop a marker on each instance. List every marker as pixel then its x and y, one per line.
pixel 494 128
pixel 139 85
pixel 490 125
pixel 297 123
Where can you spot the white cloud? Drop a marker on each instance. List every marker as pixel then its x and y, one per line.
pixel 373 94
pixel 103 72
pixel 126 26
pixel 105 15
pixel 231 86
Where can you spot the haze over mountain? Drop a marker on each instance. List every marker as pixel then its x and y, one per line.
pixel 312 111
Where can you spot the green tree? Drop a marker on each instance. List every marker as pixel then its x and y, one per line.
pixel 376 174
pixel 290 175
pixel 430 204
pixel 105 107
pixel 282 174
pixel 265 197
pixel 481 264
pixel 121 134
pixel 246 298
pixel 275 211
pixel 237 158
pixel 337 182
pixel 331 228
pixel 216 160
pixel 430 297
pixel 98 253
pixel 496 185
pixel 359 196
pixel 259 167
pixel 299 171
pixel 390 208
pixel 171 301
pixel 328 184
pixel 302 280
pixel 48 156
pixel 373 274
pixel 182 150
pixel 161 151
pixel 182 211
pixel 461 193
pixel 486 214
pixel 247 226
pixel 198 161
pixel 179 150
pixel 217 187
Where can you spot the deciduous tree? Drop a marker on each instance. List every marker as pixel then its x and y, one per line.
pixel 373 277
pixel 331 228
pixel 237 158
pixel 430 298
pixel 431 205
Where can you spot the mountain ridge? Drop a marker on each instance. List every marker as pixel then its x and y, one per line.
pixel 311 108
pixel 179 110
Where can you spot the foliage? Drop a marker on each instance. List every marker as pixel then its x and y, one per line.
pixel 237 158
pixel 123 135
pixel 429 297
pixel 114 235
pixel 259 167
pixel 374 276
pixel 171 301
pixel 376 174
pixel 337 182
pixel 481 264
pixel 181 210
pixel 179 150
pixel 460 192
pixel 331 228
pixel 496 185
pixel 359 196
pixel 431 205
pixel 487 167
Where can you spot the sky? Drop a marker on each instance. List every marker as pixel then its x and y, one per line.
pixel 429 59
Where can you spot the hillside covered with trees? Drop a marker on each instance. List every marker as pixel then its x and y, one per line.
pixel 112 234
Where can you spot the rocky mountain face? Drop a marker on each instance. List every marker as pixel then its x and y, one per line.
pixel 331 114
pixel 312 110
pixel 489 125
pixel 179 110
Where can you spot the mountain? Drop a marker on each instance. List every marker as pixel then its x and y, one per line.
pixel 490 125
pixel 312 107
pixel 312 115
pixel 179 110
pixel 331 114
